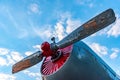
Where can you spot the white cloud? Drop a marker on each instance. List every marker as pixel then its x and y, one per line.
pixel 16 56
pixel 82 2
pixel 72 25
pixel 7 77
pixel 64 16
pixel 65 25
pixel 104 31
pixel 115 29
pixel 32 74
pixel 12 58
pixel 34 8
pixel 103 50
pixel 114 53
pixel 28 53
pixel 3 61
pixel 9 59
pixel 4 51
pixel 44 33
pixel 37 47
pixel 60 31
pixel 112 30
pixel 99 49
pixel 88 3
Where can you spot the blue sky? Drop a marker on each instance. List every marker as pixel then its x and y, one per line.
pixel 25 24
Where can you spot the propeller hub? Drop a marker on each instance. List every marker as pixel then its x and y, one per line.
pixel 46 49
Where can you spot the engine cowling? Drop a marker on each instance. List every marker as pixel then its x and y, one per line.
pixel 81 64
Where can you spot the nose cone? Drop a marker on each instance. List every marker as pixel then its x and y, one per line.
pixel 45 46
pixel 46 49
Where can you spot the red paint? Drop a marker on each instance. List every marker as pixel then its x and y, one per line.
pixel 49 67
pixel 46 49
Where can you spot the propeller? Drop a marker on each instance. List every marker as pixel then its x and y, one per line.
pixel 27 62
pixel 95 24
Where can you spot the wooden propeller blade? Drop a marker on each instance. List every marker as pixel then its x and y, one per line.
pixel 93 25
pixel 27 62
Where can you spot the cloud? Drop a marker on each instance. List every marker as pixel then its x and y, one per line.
pixel 4 76
pixel 72 25
pixel 44 33
pixel 37 47
pixel 9 57
pixel 10 60
pixel 3 61
pixel 115 29
pixel 99 49
pixel 34 8
pixel 82 2
pixel 16 56
pixel 114 53
pixel 88 3
pixel 62 27
pixel 103 50
pixel 33 74
pixel 59 30
pixel 28 53
pixel 112 30
pixel 66 25
pixel 4 51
